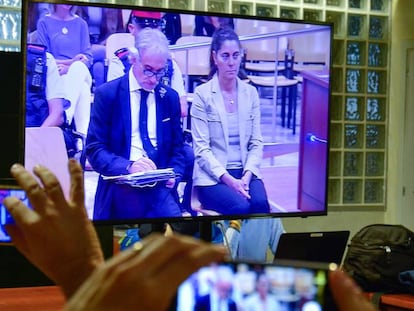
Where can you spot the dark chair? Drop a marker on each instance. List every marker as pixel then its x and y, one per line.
pixel 289 92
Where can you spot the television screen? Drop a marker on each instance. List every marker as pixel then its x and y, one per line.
pixel 286 62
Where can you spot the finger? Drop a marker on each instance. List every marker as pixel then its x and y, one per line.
pixel 149 162
pixel 160 252
pixel 181 267
pixel 347 295
pixel 18 238
pixel 145 260
pixel 21 214
pixel 23 217
pixel 139 167
pixel 29 184
pixel 51 185
pixel 77 189
pixel 133 251
pixel 147 166
pixel 244 194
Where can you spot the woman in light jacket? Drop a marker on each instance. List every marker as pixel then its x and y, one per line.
pixel 227 141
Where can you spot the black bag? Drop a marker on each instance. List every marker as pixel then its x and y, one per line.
pixel 379 255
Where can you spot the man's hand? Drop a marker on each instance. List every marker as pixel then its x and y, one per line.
pixel 142 165
pixel 83 58
pixel 348 296
pixel 55 235
pixel 63 69
pixel 145 276
pixel 170 183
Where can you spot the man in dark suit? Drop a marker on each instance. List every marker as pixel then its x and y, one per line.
pixel 219 298
pixel 135 127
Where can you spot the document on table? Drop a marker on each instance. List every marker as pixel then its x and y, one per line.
pixel 141 179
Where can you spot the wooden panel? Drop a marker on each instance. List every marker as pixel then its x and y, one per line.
pixel 313 146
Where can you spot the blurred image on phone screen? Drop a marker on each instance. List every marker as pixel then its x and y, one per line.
pixel 291 286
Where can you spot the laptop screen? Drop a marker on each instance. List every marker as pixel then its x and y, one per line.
pixel 313 246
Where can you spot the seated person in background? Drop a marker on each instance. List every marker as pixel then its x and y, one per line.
pixel 135 127
pixel 66 37
pixel 36 11
pixel 251 239
pixel 102 22
pixel 45 94
pixel 206 25
pixel 227 141
pixel 262 299
pixel 157 262
pixel 172 27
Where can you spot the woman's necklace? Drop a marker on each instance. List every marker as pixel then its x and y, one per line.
pixel 230 102
pixel 228 97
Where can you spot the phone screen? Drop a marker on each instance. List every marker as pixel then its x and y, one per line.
pixel 286 285
pixel 5 217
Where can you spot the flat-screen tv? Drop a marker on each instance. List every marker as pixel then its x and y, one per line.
pixel 288 61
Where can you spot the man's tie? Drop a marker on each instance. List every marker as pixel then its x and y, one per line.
pixel 143 126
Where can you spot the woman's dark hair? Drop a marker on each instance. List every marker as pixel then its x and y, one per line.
pixel 219 36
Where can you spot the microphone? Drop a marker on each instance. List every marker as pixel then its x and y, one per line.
pixel 223 231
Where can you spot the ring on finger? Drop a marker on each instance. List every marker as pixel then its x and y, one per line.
pixel 138 246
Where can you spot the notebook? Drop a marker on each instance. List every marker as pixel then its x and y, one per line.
pixel 313 246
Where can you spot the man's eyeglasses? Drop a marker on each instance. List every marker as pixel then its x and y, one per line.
pixel 150 73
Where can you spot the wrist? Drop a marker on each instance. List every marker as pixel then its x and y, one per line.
pixel 225 178
pixel 77 275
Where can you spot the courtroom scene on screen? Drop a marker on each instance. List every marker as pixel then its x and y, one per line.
pixel 179 115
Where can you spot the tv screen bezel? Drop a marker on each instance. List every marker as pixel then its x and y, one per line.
pixel 209 218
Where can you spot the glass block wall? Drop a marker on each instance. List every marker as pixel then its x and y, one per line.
pixel 10 25
pixel 359 89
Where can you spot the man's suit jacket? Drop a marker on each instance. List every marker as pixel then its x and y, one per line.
pixel 203 304
pixel 209 127
pixel 108 142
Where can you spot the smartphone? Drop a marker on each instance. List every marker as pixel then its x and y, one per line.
pixel 287 285
pixel 5 217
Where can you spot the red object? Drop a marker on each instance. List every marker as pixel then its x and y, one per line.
pixel 146 14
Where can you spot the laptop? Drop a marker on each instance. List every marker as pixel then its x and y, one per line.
pixel 313 246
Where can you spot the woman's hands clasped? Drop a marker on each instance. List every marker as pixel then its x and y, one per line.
pixel 241 186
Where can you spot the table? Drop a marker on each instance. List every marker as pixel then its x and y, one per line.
pixel 396 302
pixel 50 298
pixel 39 298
